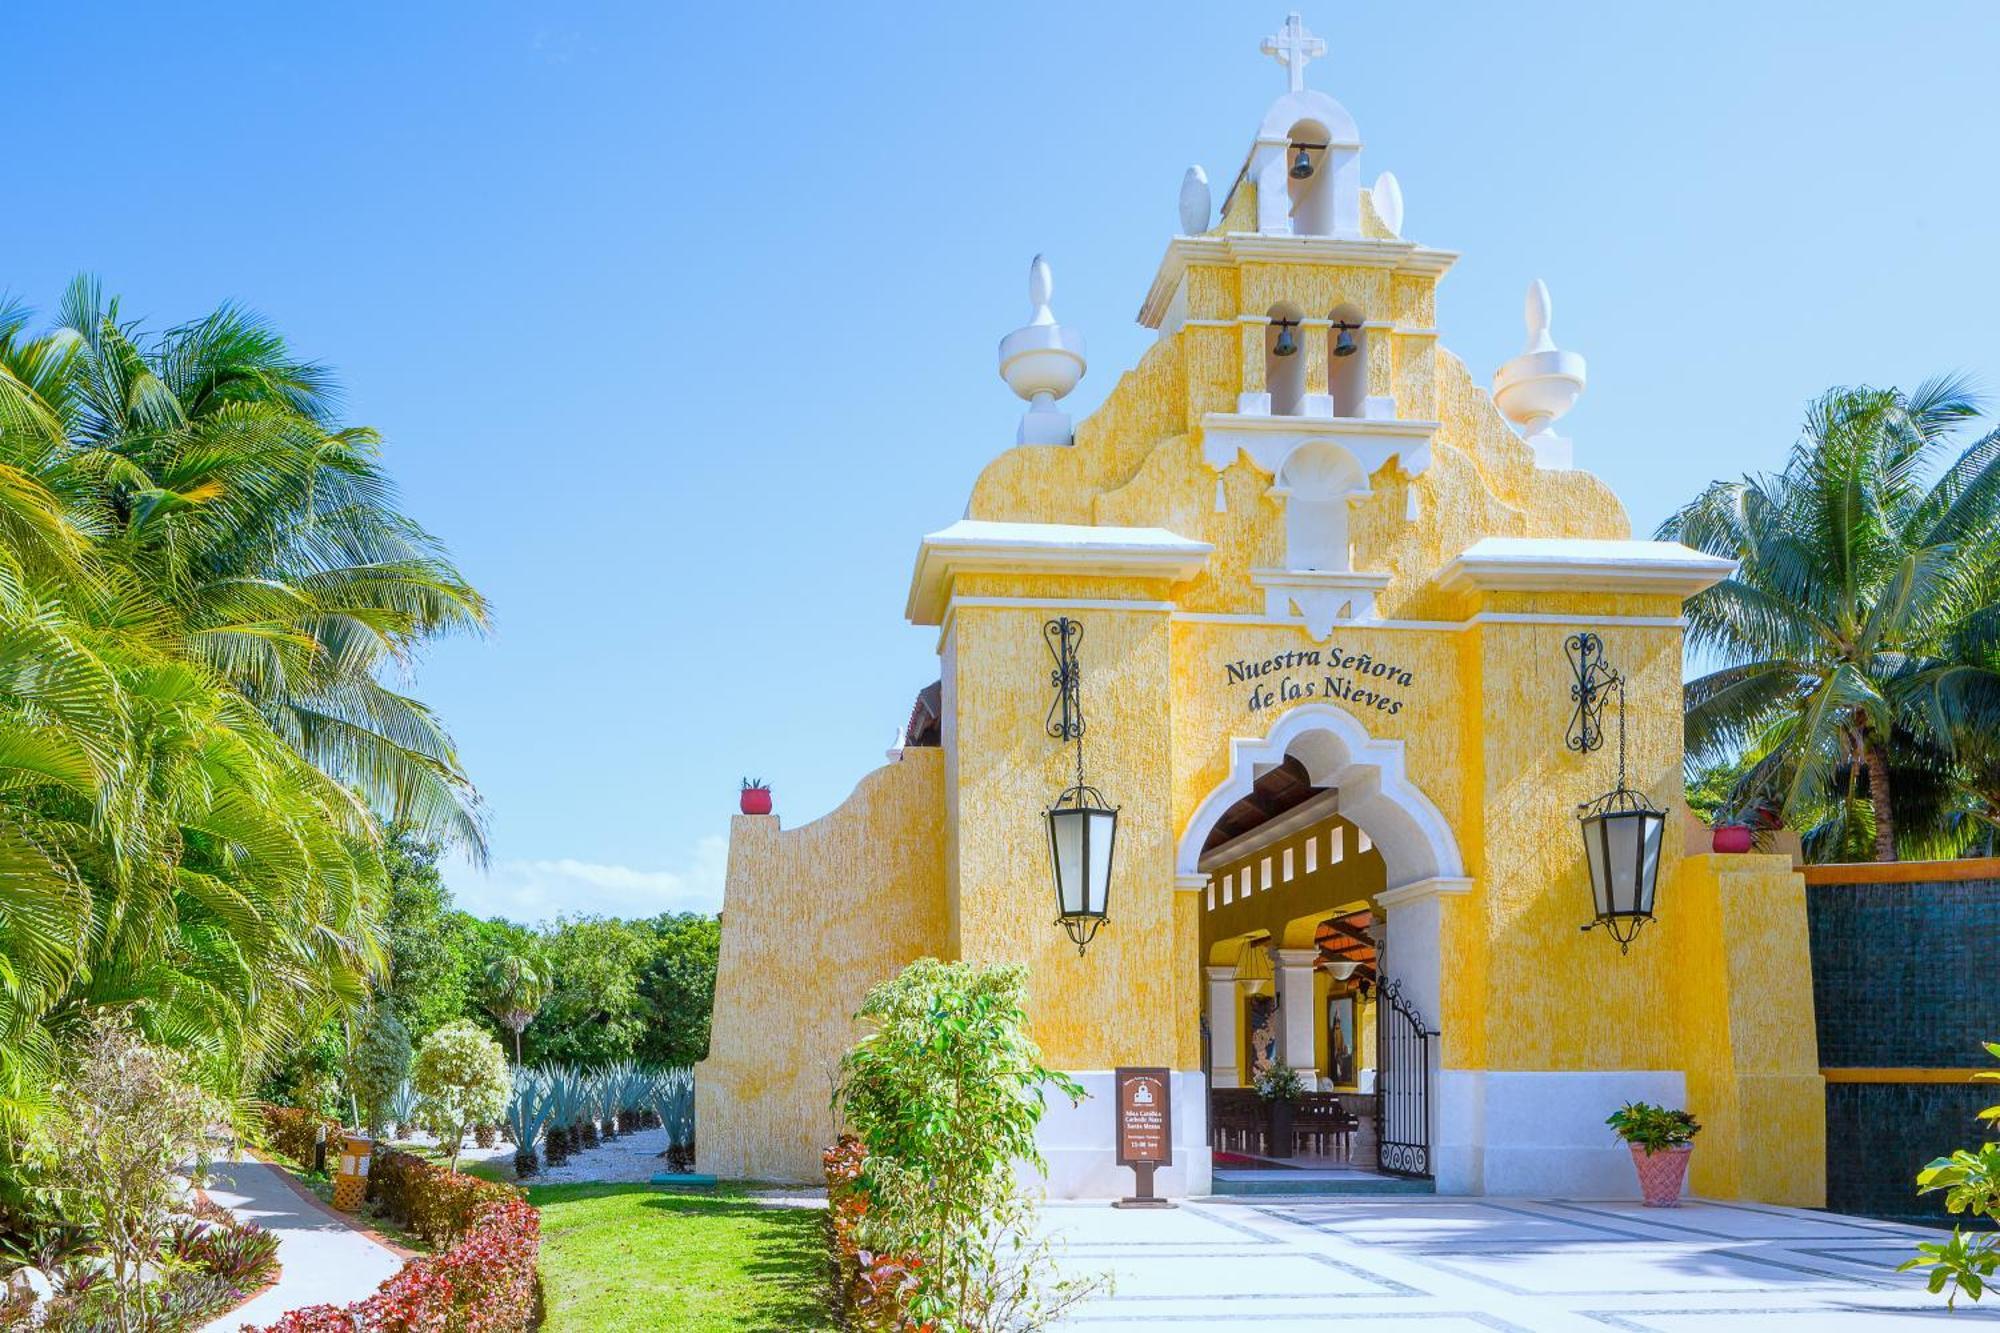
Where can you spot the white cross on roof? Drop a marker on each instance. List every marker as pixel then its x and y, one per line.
pixel 1293 47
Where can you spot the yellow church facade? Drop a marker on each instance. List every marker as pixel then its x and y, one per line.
pixel 1328 588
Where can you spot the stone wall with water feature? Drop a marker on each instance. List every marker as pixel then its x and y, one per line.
pixel 1904 994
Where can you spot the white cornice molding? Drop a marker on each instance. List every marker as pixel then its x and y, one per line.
pixel 1558 564
pixel 1267 440
pixel 1441 886
pixel 1245 247
pixel 1044 548
pixel 1303 815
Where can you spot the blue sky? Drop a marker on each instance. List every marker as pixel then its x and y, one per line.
pixel 680 320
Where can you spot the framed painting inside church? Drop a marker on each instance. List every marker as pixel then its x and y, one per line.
pixel 1340 1040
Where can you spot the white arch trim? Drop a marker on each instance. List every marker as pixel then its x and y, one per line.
pixel 1375 792
pixel 1310 104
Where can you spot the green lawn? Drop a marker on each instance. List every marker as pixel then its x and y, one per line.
pixel 635 1257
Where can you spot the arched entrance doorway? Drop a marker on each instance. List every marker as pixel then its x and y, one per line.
pixel 1320 866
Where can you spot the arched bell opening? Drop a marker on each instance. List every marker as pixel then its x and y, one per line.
pixel 1347 361
pixel 1309 178
pixel 1285 360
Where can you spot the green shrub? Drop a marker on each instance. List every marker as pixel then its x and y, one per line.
pixel 1971 1184
pixel 945 1093
pixel 377 1067
pixel 460 1075
pixel 125 1117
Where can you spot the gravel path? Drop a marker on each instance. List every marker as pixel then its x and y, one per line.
pixel 627 1158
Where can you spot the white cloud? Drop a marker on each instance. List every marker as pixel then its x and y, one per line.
pixel 534 891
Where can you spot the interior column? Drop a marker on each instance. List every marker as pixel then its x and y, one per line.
pixel 1296 1019
pixel 1225 1028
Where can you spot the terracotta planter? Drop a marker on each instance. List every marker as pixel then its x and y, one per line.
pixel 1661 1174
pixel 756 801
pixel 1731 838
pixel 1283 1114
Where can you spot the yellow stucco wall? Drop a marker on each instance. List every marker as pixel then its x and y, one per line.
pixel 813 917
pixel 1009 770
pixel 1746 1030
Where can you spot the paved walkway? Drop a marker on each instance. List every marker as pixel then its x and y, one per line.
pixel 1440 1265
pixel 323 1258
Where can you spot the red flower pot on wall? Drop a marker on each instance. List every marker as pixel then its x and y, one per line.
pixel 756 801
pixel 1661 1174
pixel 1732 838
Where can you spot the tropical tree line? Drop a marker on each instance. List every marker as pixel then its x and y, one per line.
pixel 1848 678
pixel 584 992
pixel 209 597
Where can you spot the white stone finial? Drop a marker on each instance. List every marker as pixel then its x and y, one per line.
pixel 1042 361
pixel 1388 196
pixel 1541 385
pixel 1292 47
pixel 1196 202
pixel 1041 286
pixel 1535 313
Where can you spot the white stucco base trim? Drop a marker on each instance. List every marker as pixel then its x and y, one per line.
pixel 1540 1133
pixel 1078 1144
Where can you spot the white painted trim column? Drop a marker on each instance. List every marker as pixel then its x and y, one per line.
pixel 1225 1023
pixel 1296 1036
pixel 1412 956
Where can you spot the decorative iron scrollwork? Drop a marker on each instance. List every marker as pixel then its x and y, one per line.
pixel 1066 712
pixel 1595 679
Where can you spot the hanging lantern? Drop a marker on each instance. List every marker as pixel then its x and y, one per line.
pixel 1621 842
pixel 1083 828
pixel 1622 829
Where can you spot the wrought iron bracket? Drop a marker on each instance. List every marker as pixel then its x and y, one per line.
pixel 1595 679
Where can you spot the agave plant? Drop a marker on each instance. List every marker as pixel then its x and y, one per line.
pixel 528 1110
pixel 672 1096
pixel 564 1092
pixel 403 1109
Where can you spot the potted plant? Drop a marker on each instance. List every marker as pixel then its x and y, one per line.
pixel 1731 836
pixel 756 797
pixel 1660 1141
pixel 1737 826
pixel 1282 1089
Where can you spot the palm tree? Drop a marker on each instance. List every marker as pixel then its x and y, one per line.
pixel 204 582
pixel 1840 647
pixel 516 985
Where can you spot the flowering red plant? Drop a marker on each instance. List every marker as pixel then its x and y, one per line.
pixel 482 1281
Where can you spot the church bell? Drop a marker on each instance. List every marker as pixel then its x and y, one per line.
pixel 1344 344
pixel 1286 344
pixel 1302 165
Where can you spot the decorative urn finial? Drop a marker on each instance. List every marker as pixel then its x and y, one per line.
pixel 1042 361
pixel 1196 203
pixel 1539 386
pixel 1388 196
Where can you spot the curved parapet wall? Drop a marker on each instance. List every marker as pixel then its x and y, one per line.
pixel 811 918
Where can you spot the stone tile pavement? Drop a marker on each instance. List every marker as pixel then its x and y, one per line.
pixel 1439 1265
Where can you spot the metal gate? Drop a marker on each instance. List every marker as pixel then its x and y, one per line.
pixel 1403 1080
